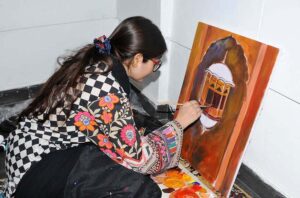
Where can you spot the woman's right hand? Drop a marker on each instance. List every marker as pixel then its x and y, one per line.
pixel 188 113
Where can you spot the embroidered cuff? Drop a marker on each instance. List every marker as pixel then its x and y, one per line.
pixel 178 125
pixel 179 137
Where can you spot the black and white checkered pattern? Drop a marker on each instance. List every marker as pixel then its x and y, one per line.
pixel 33 138
pixel 96 86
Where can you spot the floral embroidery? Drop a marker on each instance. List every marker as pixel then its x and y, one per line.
pixel 104 141
pixel 118 138
pixel 106 117
pixel 121 152
pixel 108 101
pixel 85 120
pixel 110 154
pixel 128 134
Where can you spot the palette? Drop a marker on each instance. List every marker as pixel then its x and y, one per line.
pixel 186 182
pixel 182 181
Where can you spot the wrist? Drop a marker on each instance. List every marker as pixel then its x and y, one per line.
pixel 179 124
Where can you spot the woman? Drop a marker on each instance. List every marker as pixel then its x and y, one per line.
pixel 85 103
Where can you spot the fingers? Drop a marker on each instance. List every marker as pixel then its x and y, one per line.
pixel 192 103
pixel 189 112
pixel 198 111
pixel 197 107
pixel 194 107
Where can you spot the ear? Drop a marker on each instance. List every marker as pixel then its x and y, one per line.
pixel 137 60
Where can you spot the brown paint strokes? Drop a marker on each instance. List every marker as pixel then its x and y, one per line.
pixel 230 73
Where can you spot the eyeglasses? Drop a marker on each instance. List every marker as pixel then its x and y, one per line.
pixel 157 64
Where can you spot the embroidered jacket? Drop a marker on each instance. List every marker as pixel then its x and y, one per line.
pixel 102 115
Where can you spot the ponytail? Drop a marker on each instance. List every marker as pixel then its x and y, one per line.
pixel 133 35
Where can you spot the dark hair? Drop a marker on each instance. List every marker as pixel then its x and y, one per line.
pixel 133 35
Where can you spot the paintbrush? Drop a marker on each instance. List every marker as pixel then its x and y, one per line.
pixel 201 106
pixel 172 104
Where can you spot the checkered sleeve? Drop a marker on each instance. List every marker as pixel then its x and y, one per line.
pixel 94 86
pixel 108 122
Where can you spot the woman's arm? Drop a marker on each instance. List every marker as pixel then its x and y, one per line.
pixel 109 123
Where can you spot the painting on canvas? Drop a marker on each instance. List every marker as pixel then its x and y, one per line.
pixel 228 74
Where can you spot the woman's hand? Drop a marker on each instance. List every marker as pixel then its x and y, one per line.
pixel 188 113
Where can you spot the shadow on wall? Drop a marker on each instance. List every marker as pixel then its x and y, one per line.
pixel 148 80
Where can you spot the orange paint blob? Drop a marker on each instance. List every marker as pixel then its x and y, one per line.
pixel 187 178
pixel 184 193
pixel 173 183
pixel 173 173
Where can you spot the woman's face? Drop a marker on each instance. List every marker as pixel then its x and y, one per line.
pixel 141 71
pixel 137 69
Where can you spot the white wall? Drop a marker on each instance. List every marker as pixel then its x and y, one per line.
pixel 149 9
pixel 34 33
pixel 275 142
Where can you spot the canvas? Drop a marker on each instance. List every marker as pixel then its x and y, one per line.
pixel 228 74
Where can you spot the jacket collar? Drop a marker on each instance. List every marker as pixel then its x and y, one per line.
pixel 119 72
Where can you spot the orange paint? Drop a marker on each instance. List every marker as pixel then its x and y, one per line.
pixel 173 182
pixel 178 183
pixel 184 193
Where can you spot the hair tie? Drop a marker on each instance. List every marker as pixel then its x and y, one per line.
pixel 102 44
